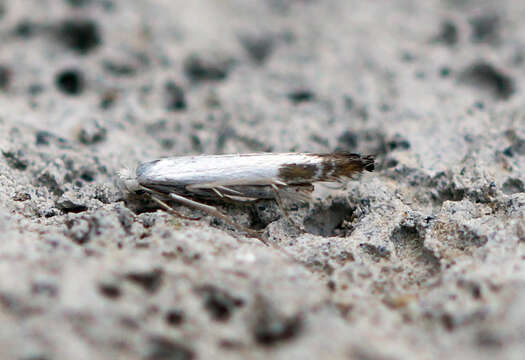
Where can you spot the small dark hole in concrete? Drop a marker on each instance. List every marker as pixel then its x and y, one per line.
pixel 326 221
pixel 174 317
pixel 70 82
pixel 219 303
pixel 111 291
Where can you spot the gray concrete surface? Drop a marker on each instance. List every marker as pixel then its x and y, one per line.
pixel 422 259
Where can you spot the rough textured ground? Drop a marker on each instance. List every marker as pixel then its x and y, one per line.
pixel 423 259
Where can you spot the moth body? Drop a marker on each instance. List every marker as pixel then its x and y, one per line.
pixel 242 177
pixel 191 173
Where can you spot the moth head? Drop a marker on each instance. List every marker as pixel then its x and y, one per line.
pixel 127 180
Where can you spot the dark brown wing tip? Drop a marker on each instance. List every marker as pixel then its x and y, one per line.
pixel 368 162
pixel 364 162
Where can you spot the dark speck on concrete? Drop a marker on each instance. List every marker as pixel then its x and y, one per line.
pixel 218 302
pixel 5 77
pixel 484 75
pixel 70 82
pixel 175 98
pixel 151 281
pixel 163 348
pixel 16 160
pixel 258 47
pixel 80 35
pixel 270 328
pixel 301 95
pixel 25 29
pixel 486 28
pixel 448 34
pixel 211 67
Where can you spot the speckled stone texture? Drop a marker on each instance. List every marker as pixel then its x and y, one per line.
pixel 422 259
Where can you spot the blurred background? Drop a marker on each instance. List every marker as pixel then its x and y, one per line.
pixel 238 76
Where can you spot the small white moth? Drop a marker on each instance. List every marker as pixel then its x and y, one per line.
pixel 240 177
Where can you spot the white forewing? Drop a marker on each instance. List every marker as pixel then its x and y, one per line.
pixel 213 170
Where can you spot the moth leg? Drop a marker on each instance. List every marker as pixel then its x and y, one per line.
pixel 229 190
pixel 172 210
pixel 202 207
pixel 220 190
pixel 228 196
pixel 279 201
pixel 223 192
pixel 213 212
pixel 216 191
